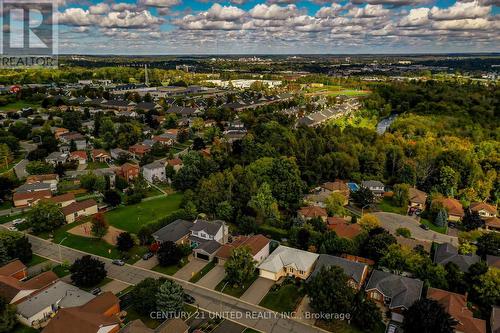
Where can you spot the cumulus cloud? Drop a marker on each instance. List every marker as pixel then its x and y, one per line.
pixel 224 13
pixel 126 19
pixel 159 3
pixel 330 11
pixel 394 3
pixel 369 11
pixel 460 10
pixel 273 12
pixel 416 17
pixel 99 9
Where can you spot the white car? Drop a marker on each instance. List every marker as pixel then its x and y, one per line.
pixel 18 221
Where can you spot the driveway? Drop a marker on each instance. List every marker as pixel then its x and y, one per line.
pixel 147 264
pixel 114 286
pixel 212 279
pixel 391 222
pixel 256 292
pixel 192 267
pixel 303 309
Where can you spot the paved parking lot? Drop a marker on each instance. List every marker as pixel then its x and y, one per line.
pixel 256 292
pixel 212 279
pixel 193 267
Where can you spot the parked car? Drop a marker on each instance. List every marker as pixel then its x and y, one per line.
pixel 147 256
pixel 424 226
pixel 189 299
pixel 18 221
pixel 96 291
pixel 118 262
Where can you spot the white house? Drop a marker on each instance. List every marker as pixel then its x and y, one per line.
pixel 377 187
pixel 207 237
pixel 287 261
pixel 154 172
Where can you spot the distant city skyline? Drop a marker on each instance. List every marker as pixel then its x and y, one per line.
pixel 277 26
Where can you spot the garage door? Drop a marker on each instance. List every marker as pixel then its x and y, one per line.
pixel 202 256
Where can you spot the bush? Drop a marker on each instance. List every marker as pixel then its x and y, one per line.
pixel 405 232
pixel 133 199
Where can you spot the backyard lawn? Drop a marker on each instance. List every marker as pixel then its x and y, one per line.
pixel 284 299
pixel 386 205
pixel 96 165
pixel 131 218
pixel 433 227
pixel 236 291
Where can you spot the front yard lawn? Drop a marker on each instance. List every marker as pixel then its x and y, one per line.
pixel 386 205
pixel 35 260
pixel 284 298
pixel 96 165
pixel 236 291
pixel 132 218
pixel 172 269
pixel 61 271
pixel 432 226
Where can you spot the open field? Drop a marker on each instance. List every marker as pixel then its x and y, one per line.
pixel 131 218
pixel 18 106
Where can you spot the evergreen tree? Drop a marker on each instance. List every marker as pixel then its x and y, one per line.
pixel 441 218
pixel 170 298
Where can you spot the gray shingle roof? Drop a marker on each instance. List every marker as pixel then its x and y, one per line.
pixel 210 227
pixel 154 165
pixel 208 247
pixel 32 187
pixel 446 253
pixel 173 231
pixel 351 268
pixel 61 293
pixel 372 183
pixel 402 291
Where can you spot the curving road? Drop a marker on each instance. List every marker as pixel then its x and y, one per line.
pixel 392 221
pixel 232 308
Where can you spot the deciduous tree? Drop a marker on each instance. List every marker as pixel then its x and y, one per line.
pixel 87 271
pixel 240 266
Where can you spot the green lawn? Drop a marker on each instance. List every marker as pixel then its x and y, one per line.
pixel 35 260
pixel 16 106
pixel 104 281
pixel 236 291
pixel 131 218
pixel 356 120
pixel 60 270
pixel 172 269
pixel 432 226
pixel 285 299
pixel 8 218
pixel 96 165
pixel 386 205
pixel 5 205
pixel 152 192
pixel 208 267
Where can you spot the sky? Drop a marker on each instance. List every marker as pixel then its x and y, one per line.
pixel 139 27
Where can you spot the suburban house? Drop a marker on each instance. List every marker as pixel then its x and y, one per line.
pixel 417 198
pixel 78 155
pixel 177 232
pixel 40 306
pixel 257 244
pixel 207 237
pixel 343 228
pixel 492 224
pixel 52 179
pixel 394 292
pixel 77 138
pixel 35 187
pixel 63 200
pixel 100 155
pixel 58 131
pixel 56 158
pixel 14 290
pixel 139 150
pixel 77 209
pixel 377 187
pixel 174 325
pixel 456 306
pixel 154 172
pixel 116 153
pixel 129 171
pixel 337 186
pixel 25 199
pixel 446 253
pixel 288 261
pixel 166 139
pixel 453 207
pixel 356 271
pixel 483 209
pixel 175 163
pixel 14 269
pixel 310 212
pixel 99 315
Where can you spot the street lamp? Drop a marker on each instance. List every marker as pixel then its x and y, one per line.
pixel 59 245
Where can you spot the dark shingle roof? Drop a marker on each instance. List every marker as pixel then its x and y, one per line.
pixel 210 227
pixel 351 268
pixel 173 231
pixel 446 253
pixel 403 291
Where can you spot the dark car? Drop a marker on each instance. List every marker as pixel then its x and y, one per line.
pixel 118 262
pixel 148 255
pixel 424 226
pixel 189 299
pixel 95 291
